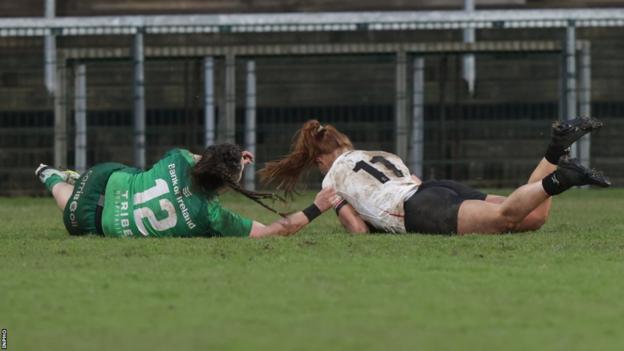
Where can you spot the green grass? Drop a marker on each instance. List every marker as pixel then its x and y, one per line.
pixel 557 289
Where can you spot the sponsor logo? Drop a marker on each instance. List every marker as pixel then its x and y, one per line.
pixel 180 196
pixel 73 206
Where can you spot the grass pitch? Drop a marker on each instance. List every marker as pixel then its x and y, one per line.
pixel 557 289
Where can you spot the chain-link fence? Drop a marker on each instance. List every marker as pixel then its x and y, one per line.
pixel 491 137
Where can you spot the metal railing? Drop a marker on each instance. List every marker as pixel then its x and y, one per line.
pixel 312 22
pixel 407 114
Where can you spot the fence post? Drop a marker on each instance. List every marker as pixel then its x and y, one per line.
pixel 401 105
pixel 570 78
pixel 585 101
pixel 469 72
pixel 80 115
pixel 60 115
pixel 209 100
pixel 418 114
pixel 139 99
pixel 250 123
pixel 50 50
pixel 229 123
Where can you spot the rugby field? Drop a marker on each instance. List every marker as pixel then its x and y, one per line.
pixel 561 288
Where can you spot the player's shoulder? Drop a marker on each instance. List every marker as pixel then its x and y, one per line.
pixel 352 156
pixel 344 161
pixel 176 151
pixel 337 168
pixel 384 154
pixel 365 155
pixel 180 154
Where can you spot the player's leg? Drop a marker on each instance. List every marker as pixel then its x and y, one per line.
pixel 61 193
pixel 476 216
pixel 57 182
pixel 537 218
pixel 563 135
pixel 534 220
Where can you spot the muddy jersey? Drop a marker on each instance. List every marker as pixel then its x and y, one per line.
pixel 376 184
pixel 160 202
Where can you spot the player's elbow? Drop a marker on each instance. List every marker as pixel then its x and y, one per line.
pixel 357 227
pixel 360 229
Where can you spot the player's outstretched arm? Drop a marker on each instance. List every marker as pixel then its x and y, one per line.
pixel 294 222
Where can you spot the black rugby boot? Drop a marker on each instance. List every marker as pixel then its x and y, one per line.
pixel 570 172
pixel 565 133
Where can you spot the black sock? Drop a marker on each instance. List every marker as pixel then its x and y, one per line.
pixel 554 153
pixel 555 183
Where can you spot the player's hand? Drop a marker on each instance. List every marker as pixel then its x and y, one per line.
pixel 416 179
pixel 248 157
pixel 325 199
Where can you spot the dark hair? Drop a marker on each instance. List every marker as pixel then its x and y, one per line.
pixel 309 142
pixel 220 166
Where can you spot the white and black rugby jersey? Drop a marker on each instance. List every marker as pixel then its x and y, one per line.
pixel 376 184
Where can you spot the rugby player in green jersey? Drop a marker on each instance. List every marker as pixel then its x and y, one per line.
pixel 178 196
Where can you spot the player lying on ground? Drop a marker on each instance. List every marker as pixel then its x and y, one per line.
pixel 178 196
pixel 378 193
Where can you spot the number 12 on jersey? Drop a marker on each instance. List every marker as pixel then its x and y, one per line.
pixel 161 188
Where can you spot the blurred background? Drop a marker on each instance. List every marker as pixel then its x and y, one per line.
pixel 458 96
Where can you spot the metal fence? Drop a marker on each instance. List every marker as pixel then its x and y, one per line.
pixel 377 92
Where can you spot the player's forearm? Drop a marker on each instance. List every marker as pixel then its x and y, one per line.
pixel 283 227
pixel 292 224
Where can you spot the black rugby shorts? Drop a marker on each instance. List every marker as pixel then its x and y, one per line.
pixel 434 207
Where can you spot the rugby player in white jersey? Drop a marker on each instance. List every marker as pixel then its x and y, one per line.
pixel 379 194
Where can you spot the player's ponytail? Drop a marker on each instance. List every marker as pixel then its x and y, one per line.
pixel 309 142
pixel 257 196
pixel 220 166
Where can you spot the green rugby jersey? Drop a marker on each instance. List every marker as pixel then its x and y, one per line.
pixel 159 202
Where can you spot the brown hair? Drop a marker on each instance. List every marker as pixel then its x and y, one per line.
pixel 220 166
pixel 309 142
